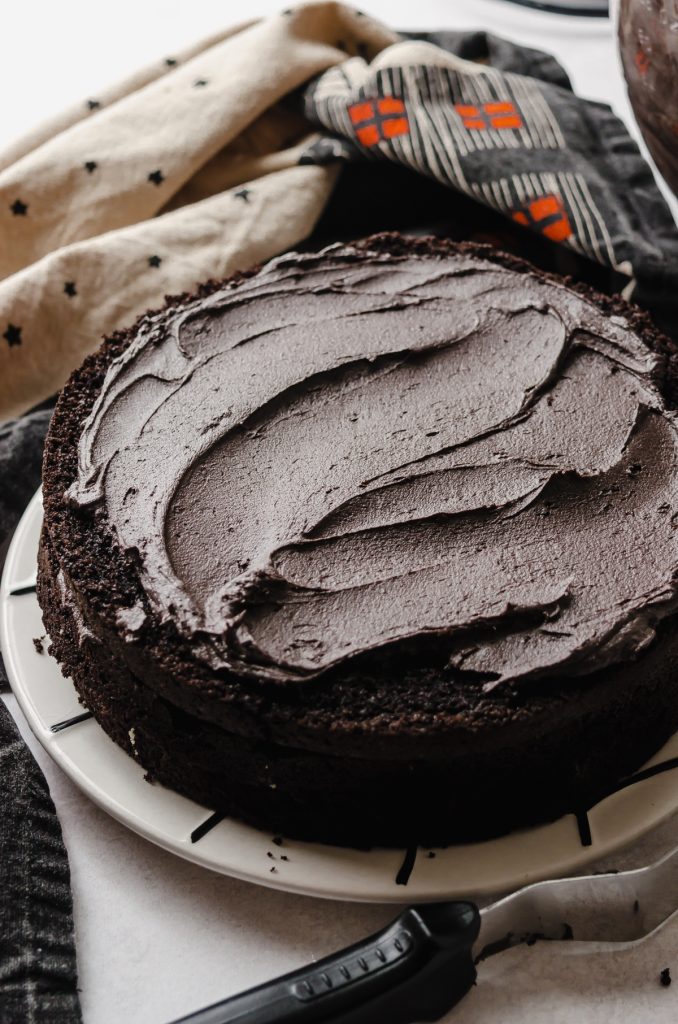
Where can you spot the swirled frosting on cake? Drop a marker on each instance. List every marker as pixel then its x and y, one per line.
pixel 355 449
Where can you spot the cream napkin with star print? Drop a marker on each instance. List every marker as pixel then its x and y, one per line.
pixel 185 172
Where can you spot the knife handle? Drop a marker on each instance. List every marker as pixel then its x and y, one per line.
pixel 413 970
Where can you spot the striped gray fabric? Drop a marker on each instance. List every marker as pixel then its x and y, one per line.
pixel 511 135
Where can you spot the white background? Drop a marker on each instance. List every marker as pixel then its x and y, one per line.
pixel 156 936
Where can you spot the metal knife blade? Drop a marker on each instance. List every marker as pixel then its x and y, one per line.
pixel 616 907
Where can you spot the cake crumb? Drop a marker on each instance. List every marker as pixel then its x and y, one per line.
pixel 130 620
pixel 39 643
pixel 665 977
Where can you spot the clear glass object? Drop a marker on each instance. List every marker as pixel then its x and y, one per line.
pixel 648 41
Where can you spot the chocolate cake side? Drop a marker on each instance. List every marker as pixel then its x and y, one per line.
pixel 389 748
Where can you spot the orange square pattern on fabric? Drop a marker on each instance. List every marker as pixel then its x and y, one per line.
pixel 499 115
pixel 547 215
pixel 375 120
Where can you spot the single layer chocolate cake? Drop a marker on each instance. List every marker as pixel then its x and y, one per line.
pixel 375 545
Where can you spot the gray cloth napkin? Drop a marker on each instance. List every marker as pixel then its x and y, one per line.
pixel 38 975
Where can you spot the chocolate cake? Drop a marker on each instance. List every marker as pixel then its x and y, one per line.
pixel 374 545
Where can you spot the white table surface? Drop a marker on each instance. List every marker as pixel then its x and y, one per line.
pixel 157 936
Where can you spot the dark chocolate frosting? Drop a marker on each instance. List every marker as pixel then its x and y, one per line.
pixel 356 449
pixel 648 40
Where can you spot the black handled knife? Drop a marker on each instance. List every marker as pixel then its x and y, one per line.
pixel 424 962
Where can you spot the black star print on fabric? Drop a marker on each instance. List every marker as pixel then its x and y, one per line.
pixel 18 208
pixel 154 261
pixel 91 166
pixel 170 62
pixel 157 177
pixel 69 289
pixel 12 335
pixel 199 82
pixel 244 194
pixel 93 104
